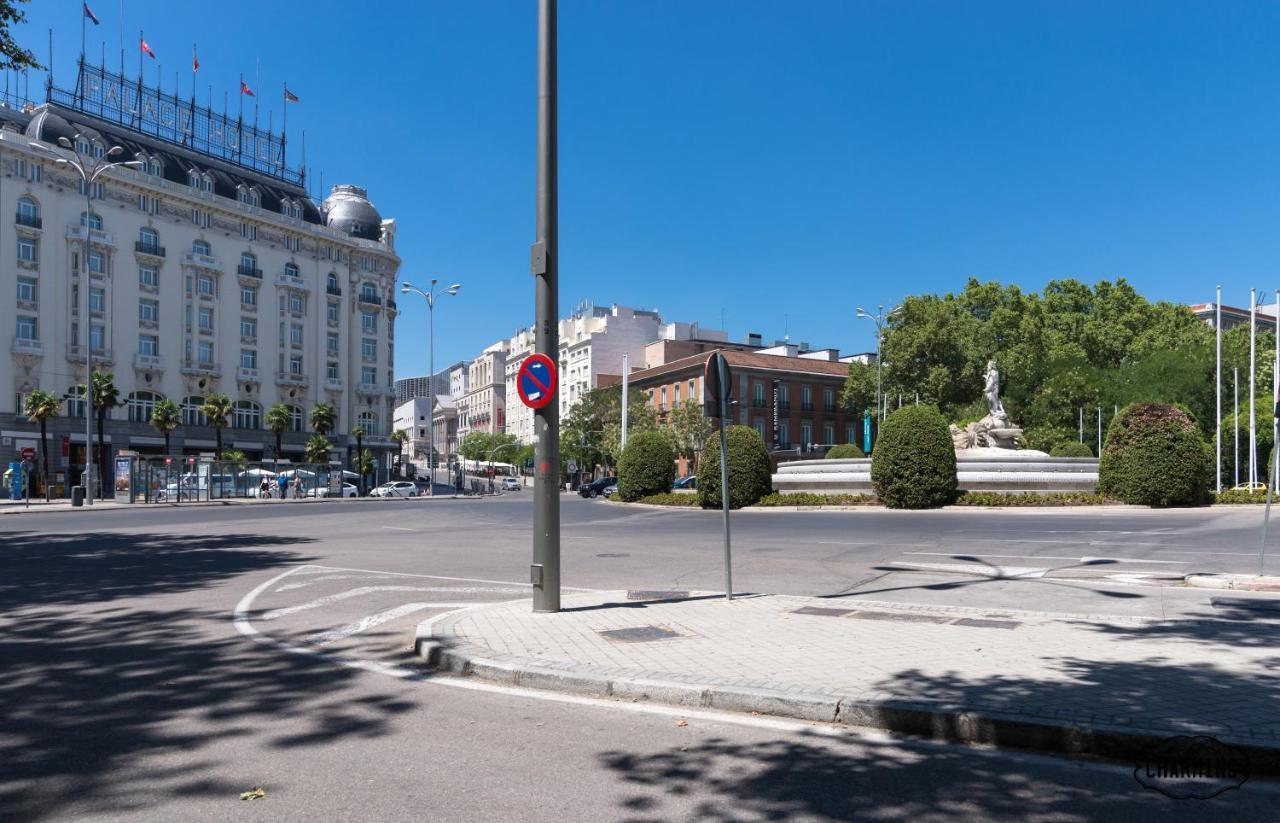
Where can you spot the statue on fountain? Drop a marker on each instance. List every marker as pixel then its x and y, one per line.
pixel 994 431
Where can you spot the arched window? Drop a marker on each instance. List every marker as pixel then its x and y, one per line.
pixel 201 247
pixel 28 209
pixel 333 282
pixel 291 270
pixel 248 263
pixel 91 219
pixel 141 405
pixel 193 179
pixel 295 419
pixel 148 239
pixel 75 401
pixel 191 414
pixel 369 422
pixel 248 415
pixel 368 292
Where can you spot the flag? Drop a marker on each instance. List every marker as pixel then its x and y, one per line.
pixel 147 50
pixel 195 61
pixel 289 97
pixel 244 89
pixel 88 12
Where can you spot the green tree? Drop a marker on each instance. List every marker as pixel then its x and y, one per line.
pixel 323 418
pixel 364 466
pixel 217 410
pixel 278 421
pixel 401 437
pixel 166 417
pixel 235 456
pixel 647 466
pixel 40 406
pixel 475 446
pixel 105 398
pixel 12 56
pixel 687 427
pixel 358 460
pixel 859 391
pixel 317 449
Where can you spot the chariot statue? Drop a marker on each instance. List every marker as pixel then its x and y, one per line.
pixel 994 431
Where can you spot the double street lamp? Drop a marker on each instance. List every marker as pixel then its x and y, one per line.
pixel 430 296
pixel 90 167
pixel 879 317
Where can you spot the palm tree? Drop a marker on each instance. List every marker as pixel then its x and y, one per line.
pixel 40 406
pixel 358 434
pixel 317 449
pixel 166 417
pixel 323 418
pixel 235 456
pixel 278 421
pixel 105 398
pixel 401 437
pixel 364 465
pixel 216 409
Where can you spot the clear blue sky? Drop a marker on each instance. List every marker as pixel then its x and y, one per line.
pixel 772 160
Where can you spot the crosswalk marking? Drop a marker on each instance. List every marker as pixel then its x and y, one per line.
pixel 366 623
pixel 275 614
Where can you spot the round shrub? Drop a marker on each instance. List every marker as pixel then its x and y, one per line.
pixel 750 472
pixel 648 466
pixel 1071 448
pixel 1154 456
pixel 913 465
pixel 845 451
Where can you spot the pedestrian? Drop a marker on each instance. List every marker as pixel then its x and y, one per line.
pixel 297 486
pixel 281 486
pixel 264 488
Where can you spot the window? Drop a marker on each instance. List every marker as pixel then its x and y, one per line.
pixel 205 283
pixel 97 337
pixel 248 415
pixel 249 231
pixel 28 250
pixel 295 365
pixel 759 426
pixel 369 349
pixel 27 289
pixel 191 414
pixel 291 270
pixel 829 400
pixel 148 345
pixel 850 433
pixel 757 394
pixel 247 195
pixel 295 303
pixel 206 318
pixel 692 389
pixel 149 311
pixel 201 247
pixel 369 422
pixel 28 212
pixel 369 322
pixel 806 399
pixel 91 219
pixel 148 240
pixel 141 405
pixel 148 276
pixel 331 344
pixel 95 189
pixel 333 282
pixel 368 293
pixel 248 263
pixel 368 376
pixel 148 204
pixel 248 296
pixel 828 435
pixel 248 358
pixel 332 371
pixel 206 353
pixel 97 301
pixel 806 433
pixel 249 328
pixel 333 313
pixel 676 400
pixel 97 263
pixel 295 334
pixel 784 435
pixel 200 218
pixel 295 419
pixel 27 328
pixel 75 401
pixel 784 396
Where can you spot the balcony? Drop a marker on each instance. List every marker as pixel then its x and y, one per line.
pixel 248 340
pixel 333 383
pixel 806 407
pixel 202 261
pixel 75 354
pixel 336 291
pixel 247 375
pixel 96 237
pixel 784 405
pixel 148 249
pixel 249 271
pixel 22 345
pixel 391 304
pixel 196 367
pixel 30 221
pixel 370 389
pixel 148 361
pixel 370 299
pixel 286 378
pixel 292 281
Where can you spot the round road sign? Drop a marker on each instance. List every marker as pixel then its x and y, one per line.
pixel 536 381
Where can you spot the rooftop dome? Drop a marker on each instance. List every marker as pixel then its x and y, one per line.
pixel 47 126
pixel 347 209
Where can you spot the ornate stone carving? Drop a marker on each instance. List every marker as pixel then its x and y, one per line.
pixel 994 431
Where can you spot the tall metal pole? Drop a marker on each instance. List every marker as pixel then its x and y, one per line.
pixel 1253 434
pixel 1099 452
pixel 626 377
pixel 545 573
pixel 723 365
pixel 431 389
pixel 1217 392
pixel 1235 421
pixel 87 319
pixel 879 343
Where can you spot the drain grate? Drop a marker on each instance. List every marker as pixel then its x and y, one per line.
pixel 981 623
pixel 821 612
pixel 901 618
pixel 646 594
pixel 639 634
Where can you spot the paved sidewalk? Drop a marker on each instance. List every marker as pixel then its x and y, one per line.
pixel 1100 685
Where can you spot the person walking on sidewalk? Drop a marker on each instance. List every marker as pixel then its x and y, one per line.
pixel 264 488
pixel 297 486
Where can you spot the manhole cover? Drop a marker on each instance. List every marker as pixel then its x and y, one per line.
pixel 821 612
pixel 645 594
pixel 613 554
pixel 901 618
pixel 980 623
pixel 639 634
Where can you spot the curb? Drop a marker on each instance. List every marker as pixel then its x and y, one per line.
pixel 441 651
pixel 44 508
pixel 1236 582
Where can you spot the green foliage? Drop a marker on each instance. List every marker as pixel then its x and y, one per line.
pixel 323 418
pixel 217 409
pixel 1154 456
pixel 235 456
pixel 687 428
pixel 484 447
pixel 105 394
pixel 1071 448
pixel 1262 431
pixel 1238 496
pixel 750 472
pixel 39 406
pixel 913 465
pixel 13 56
pixel 844 451
pixel 317 449
pixel 664 499
pixel 647 466
pixel 811 499
pixel 591 433
pixel 166 417
pixel 1031 499
pixel 859 391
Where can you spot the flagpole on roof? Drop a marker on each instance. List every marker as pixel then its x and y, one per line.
pixel 84 19
pixel 122 39
pixel 284 125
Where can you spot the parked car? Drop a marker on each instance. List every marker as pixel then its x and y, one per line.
pixel 396 488
pixel 689 482
pixel 596 488
pixel 610 489
pixel 510 484
pixel 348 490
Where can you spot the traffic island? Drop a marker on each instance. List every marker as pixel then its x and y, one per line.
pixel 1102 686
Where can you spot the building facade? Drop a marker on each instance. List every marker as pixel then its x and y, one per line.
pixel 592 344
pixel 519 416
pixel 484 404
pixel 202 276
pixel 425 386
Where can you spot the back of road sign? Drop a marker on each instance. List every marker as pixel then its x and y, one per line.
pixel 717 380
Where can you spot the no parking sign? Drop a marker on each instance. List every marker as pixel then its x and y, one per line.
pixel 536 381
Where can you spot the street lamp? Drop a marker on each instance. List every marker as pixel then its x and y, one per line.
pixel 879 317
pixel 90 168
pixel 430 296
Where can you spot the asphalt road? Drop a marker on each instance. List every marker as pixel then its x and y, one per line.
pixel 129 691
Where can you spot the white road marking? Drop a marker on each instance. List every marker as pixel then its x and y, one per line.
pixel 323 569
pixel 275 614
pixel 980 569
pixel 1050 557
pixel 400 528
pixel 847 543
pixel 373 620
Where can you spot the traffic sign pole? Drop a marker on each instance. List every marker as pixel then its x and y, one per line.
pixel 545 572
pixel 722 372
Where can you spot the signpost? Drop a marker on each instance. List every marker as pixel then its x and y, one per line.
pixel 718 383
pixel 536 381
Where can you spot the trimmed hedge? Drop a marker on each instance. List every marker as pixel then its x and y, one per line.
pixel 647 467
pixel 750 472
pixel 1031 499
pixel 844 451
pixel 1230 497
pixel 1071 448
pixel 1154 456
pixel 913 465
pixel 812 499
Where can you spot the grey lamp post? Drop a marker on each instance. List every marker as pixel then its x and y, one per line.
pixel 430 296
pixel 879 317
pixel 90 168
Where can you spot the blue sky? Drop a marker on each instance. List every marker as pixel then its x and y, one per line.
pixel 779 163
